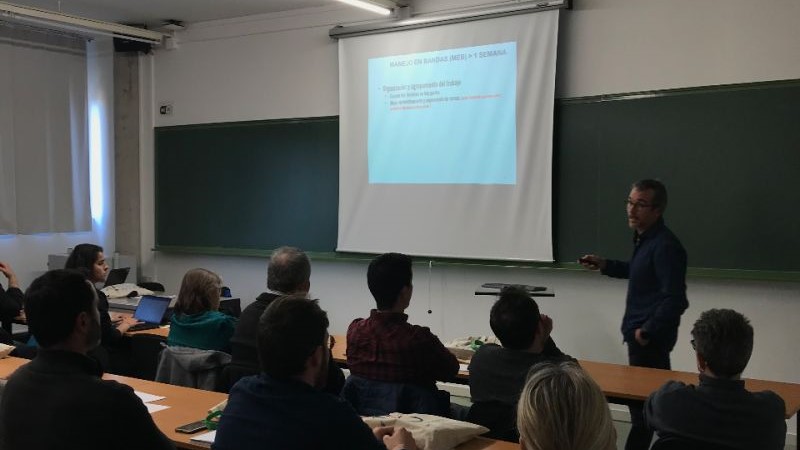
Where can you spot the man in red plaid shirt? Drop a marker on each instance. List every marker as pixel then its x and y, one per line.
pixel 384 346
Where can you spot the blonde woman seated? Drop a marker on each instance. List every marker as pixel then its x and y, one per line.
pixel 562 408
pixel 196 321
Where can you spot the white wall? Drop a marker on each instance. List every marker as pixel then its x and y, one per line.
pixel 586 310
pixel 612 46
pixel 28 253
pixel 285 66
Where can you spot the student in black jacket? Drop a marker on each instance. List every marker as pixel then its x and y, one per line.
pixel 288 273
pixel 59 399
pixel 284 407
pixel 10 302
pixel 497 374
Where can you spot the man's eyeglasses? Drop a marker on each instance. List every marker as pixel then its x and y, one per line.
pixel 637 205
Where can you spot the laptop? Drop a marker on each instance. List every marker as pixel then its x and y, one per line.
pixel 150 311
pixel 117 276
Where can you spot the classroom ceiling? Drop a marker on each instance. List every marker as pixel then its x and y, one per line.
pixel 154 12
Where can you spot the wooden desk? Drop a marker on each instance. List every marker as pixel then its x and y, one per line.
pixel 187 405
pixel 9 365
pixel 626 384
pixel 162 331
pixel 481 443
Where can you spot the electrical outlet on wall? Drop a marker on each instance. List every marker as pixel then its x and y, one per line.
pixel 165 109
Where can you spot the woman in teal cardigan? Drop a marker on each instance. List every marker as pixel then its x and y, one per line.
pixel 196 321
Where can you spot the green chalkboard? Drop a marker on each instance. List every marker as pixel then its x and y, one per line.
pixel 248 185
pixel 729 155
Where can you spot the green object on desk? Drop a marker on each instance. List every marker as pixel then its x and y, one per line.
pixel 475 344
pixel 212 420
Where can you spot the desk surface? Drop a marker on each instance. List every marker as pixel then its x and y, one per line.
pixel 622 382
pixel 187 405
pixel 162 331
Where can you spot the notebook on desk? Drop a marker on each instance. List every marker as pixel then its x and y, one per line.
pixel 150 311
pixel 205 439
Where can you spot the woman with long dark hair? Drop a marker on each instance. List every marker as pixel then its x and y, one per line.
pixel 91 262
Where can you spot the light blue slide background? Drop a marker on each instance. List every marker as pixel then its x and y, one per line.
pixel 450 142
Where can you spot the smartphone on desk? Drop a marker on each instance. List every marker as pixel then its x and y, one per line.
pixel 193 427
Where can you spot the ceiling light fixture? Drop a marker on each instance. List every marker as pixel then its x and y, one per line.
pixel 465 15
pixel 383 7
pixel 60 21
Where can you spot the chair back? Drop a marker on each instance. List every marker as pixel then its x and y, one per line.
pixel 191 367
pixel 145 353
pixel 232 373
pixel 378 398
pixel 231 306
pixel 499 418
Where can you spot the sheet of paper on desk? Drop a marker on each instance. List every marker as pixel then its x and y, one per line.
pixel 206 438
pixel 152 407
pixel 147 398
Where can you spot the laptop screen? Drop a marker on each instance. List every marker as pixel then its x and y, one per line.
pixel 117 276
pixel 151 309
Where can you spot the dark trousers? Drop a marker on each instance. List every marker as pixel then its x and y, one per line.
pixel 654 356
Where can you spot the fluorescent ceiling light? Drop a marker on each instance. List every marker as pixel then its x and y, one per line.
pixel 383 7
pixel 57 20
pixel 465 15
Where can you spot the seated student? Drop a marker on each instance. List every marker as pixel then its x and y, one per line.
pixel 289 272
pixel 562 408
pixel 283 407
pixel 385 347
pixel 497 374
pixel 196 320
pixel 114 350
pixel 719 411
pixel 59 399
pixel 10 302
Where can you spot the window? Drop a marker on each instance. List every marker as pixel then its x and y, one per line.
pixel 44 148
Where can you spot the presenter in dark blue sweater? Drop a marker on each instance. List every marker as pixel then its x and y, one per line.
pixel 656 296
